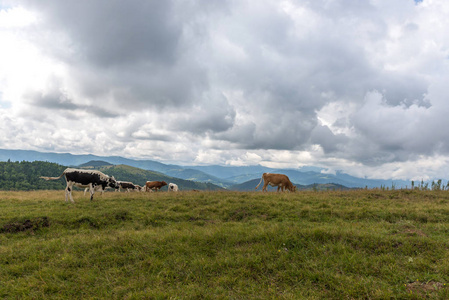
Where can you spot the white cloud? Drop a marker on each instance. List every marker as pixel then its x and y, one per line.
pixel 16 18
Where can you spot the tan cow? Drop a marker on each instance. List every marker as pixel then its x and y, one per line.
pixel 154 185
pixel 280 180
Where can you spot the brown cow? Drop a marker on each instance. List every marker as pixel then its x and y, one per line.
pixel 154 185
pixel 280 180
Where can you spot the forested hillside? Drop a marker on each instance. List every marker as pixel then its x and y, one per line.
pixel 24 176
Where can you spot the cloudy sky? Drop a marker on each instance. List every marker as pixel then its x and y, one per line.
pixel 357 86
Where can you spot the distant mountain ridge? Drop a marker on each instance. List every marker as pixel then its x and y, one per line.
pixel 94 164
pixel 224 176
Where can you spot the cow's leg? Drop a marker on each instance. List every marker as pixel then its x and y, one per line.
pixel 91 187
pixel 68 192
pixel 92 191
pixel 71 195
pixel 264 188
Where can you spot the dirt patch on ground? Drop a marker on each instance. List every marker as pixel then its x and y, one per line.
pixel 410 231
pixel 26 225
pixel 424 288
pixel 413 231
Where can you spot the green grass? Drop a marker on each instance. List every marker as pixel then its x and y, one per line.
pixel 366 244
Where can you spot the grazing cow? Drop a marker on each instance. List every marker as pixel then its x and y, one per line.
pixel 140 188
pixel 172 187
pixel 280 180
pixel 154 185
pixel 85 178
pixel 126 185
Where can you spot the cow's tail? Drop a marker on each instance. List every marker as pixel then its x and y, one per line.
pixel 259 183
pixel 51 178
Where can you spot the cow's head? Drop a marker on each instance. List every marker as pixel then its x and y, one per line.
pixel 113 183
pixel 292 187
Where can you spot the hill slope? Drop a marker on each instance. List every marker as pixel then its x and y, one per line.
pixel 140 177
pixel 196 175
pixel 24 176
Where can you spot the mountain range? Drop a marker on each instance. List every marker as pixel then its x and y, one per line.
pixel 223 176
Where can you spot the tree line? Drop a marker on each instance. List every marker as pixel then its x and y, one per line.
pixel 24 176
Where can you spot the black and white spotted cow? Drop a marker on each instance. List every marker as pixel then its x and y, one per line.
pixel 140 188
pixel 92 179
pixel 172 187
pixel 127 186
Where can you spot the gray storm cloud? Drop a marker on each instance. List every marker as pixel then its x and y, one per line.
pixel 357 82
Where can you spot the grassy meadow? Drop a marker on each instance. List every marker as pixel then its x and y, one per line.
pixel 365 244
